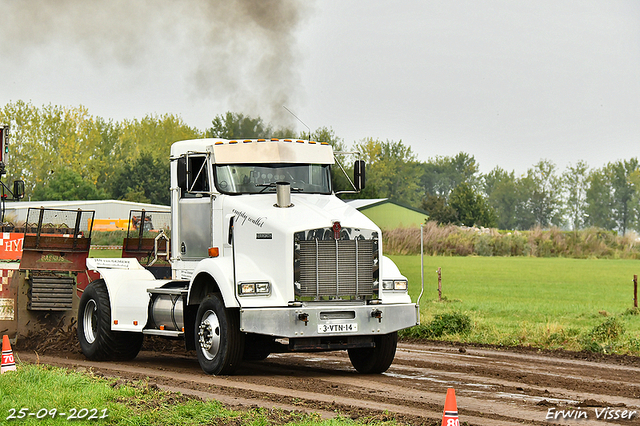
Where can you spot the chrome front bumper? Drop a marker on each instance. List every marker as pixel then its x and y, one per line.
pixel 329 321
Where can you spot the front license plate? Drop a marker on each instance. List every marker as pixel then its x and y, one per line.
pixel 338 328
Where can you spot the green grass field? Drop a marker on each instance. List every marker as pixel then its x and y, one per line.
pixel 542 302
pixel 46 395
pixel 105 253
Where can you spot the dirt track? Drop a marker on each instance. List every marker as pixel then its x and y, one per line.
pixel 493 387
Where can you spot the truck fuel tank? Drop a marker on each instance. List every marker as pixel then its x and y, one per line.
pixel 167 312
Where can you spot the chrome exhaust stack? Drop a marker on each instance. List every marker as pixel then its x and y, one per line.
pixel 283 194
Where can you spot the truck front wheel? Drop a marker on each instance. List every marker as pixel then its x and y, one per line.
pixel 377 359
pixel 219 341
pixel 97 341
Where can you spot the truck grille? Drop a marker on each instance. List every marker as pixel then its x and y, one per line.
pixel 327 269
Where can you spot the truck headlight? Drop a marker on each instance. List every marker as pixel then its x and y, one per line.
pixel 398 285
pixel 254 289
pixel 263 288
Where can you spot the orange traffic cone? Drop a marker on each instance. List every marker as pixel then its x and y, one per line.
pixel 450 416
pixel 8 364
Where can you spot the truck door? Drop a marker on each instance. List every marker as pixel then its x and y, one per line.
pixel 195 210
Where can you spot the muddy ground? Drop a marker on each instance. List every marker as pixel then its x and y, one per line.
pixel 493 386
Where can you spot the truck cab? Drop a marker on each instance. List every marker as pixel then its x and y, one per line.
pixel 264 258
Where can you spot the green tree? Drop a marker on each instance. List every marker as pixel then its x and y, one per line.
pixel 66 185
pixel 392 171
pixel 575 183
pixel 503 193
pixel 525 214
pixel 599 200
pixel 471 207
pixel 440 175
pixel 439 210
pixel 234 125
pixel 612 197
pixel 634 179
pixel 526 201
pixel 541 189
pixel 139 142
pixel 144 180
pixel 624 193
pixel 46 140
pixel 152 134
pixel 327 134
pixel 106 153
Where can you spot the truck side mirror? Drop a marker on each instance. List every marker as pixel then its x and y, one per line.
pixel 359 175
pixel 18 189
pixel 182 173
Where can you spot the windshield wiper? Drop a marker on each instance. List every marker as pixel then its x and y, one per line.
pixel 273 185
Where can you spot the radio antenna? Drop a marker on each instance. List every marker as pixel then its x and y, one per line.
pixel 296 117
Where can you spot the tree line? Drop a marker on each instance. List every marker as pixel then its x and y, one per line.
pixel 453 191
pixel 65 153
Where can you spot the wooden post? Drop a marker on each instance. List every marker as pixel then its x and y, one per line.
pixel 439 285
pixel 635 291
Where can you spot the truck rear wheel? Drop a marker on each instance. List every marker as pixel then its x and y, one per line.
pixel 97 341
pixel 219 341
pixel 378 359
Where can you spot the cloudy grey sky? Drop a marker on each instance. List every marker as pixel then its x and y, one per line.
pixel 509 82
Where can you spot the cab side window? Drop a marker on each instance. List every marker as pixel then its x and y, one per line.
pixel 193 175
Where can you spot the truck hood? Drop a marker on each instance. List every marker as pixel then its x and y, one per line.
pixel 309 211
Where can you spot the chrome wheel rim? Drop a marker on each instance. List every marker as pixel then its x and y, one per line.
pixel 209 335
pixel 89 321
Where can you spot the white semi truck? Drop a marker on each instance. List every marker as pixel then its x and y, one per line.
pixel 263 258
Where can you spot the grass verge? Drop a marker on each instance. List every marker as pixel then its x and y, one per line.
pixel 103 253
pixel 550 303
pixel 41 389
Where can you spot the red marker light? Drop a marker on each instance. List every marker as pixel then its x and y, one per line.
pixel 336 230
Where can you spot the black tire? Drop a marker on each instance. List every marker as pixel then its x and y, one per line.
pixel 219 341
pixel 97 341
pixel 257 347
pixel 378 359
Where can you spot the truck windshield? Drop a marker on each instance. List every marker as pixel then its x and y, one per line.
pixel 261 178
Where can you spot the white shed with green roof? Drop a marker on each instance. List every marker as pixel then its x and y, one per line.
pixel 388 214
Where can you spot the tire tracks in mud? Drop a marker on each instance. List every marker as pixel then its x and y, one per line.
pixel 493 387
